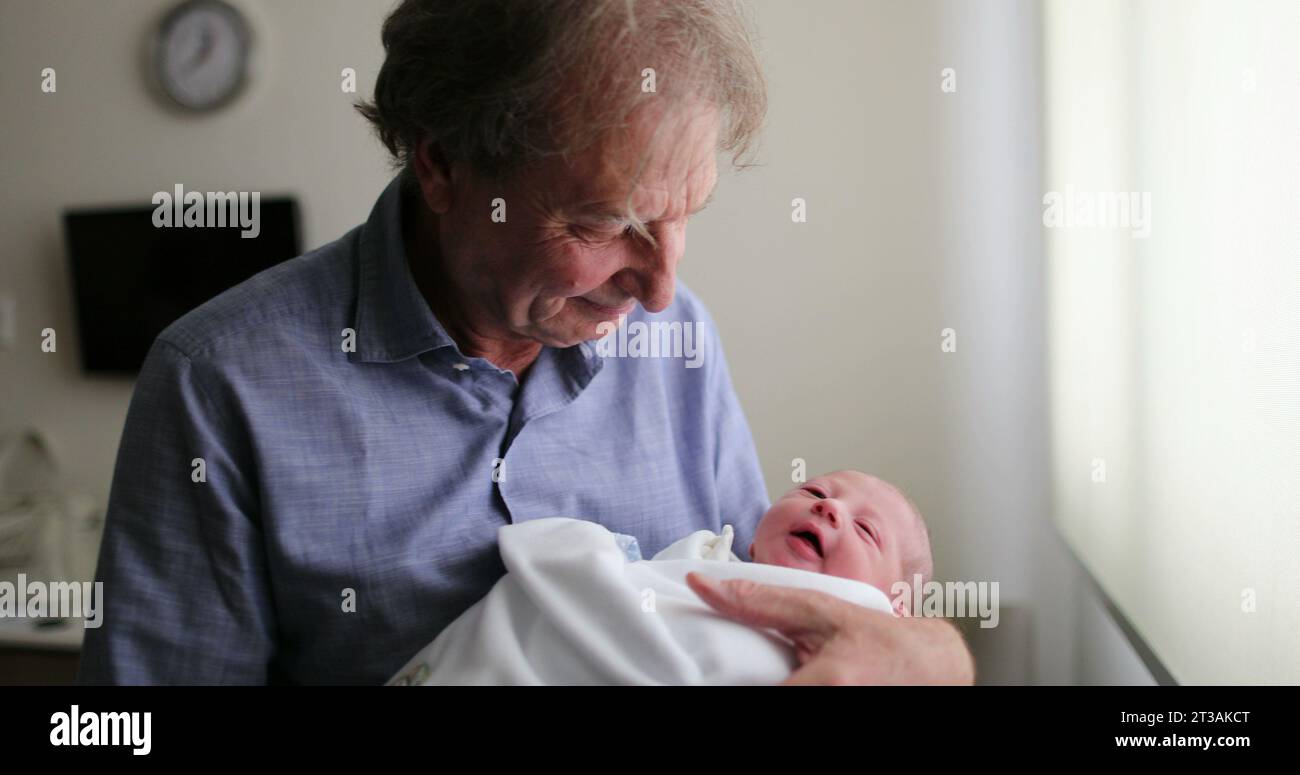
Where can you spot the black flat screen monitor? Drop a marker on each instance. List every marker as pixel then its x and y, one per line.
pixel 131 279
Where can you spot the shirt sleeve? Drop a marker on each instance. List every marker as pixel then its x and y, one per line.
pixel 185 596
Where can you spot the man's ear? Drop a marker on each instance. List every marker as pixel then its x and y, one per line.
pixel 434 175
pixel 751 551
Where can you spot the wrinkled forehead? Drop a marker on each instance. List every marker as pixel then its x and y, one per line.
pixel 661 161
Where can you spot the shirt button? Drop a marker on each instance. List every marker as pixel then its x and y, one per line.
pixel 460 366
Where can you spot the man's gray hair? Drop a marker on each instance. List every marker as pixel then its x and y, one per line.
pixel 504 83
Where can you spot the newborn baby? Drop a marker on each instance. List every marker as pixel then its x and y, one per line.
pixel 848 524
pixel 578 604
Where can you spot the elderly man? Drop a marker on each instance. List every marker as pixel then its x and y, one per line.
pixel 316 463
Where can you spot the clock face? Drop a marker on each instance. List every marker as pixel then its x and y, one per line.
pixel 201 53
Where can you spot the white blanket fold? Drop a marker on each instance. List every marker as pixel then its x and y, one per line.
pixel 572 609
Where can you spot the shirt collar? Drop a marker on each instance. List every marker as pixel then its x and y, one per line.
pixel 393 320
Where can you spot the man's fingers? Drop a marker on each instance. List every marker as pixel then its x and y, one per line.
pixel 806 616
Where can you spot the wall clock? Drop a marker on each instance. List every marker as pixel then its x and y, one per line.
pixel 201 53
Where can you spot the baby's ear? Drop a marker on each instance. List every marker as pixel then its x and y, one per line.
pixel 751 551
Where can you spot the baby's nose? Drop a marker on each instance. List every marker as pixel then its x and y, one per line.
pixel 825 509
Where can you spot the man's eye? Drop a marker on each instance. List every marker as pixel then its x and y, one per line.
pixel 605 233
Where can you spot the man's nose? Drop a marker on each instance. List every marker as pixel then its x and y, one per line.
pixel 656 270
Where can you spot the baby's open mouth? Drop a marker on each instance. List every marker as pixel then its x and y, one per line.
pixel 811 538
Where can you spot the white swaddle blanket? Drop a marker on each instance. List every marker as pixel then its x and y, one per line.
pixel 572 609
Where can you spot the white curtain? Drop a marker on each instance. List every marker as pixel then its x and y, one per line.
pixel 1174 355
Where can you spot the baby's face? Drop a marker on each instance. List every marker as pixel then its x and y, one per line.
pixel 847 524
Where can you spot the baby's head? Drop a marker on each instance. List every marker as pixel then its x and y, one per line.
pixel 847 524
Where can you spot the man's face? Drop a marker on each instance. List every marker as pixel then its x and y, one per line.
pixel 564 261
pixel 846 524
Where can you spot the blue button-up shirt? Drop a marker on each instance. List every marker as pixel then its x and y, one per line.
pixel 312 475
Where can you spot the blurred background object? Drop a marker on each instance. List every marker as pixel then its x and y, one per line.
pixel 47 533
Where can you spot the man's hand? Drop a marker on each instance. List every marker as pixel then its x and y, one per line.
pixel 838 643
